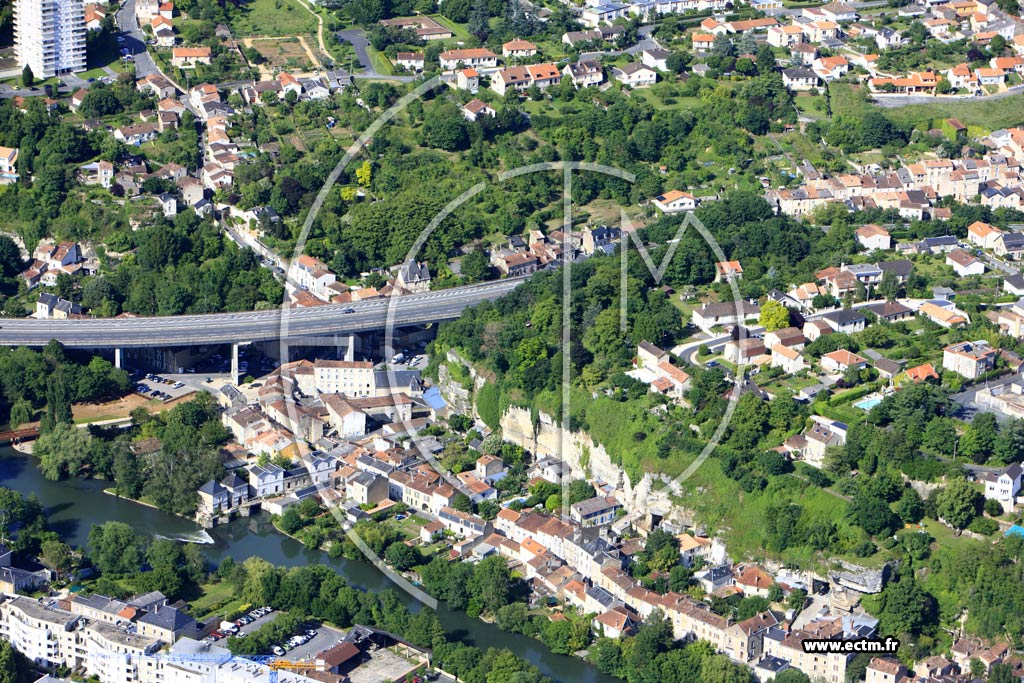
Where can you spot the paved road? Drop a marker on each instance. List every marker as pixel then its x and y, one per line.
pixel 644 42
pixel 135 40
pixel 251 326
pixel 356 37
pixel 896 101
pixel 998 264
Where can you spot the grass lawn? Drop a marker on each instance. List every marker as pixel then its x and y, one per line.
pixel 410 526
pixel 844 413
pixel 811 105
pixel 459 31
pixel 217 598
pixel 273 18
pixel 987 115
pixel 380 62
pixel 670 102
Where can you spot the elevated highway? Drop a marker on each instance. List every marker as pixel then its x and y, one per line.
pixel 253 326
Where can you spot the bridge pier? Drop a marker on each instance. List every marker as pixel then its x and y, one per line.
pixel 118 359
pixel 234 364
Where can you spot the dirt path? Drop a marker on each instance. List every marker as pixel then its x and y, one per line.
pixel 319 30
pixel 265 69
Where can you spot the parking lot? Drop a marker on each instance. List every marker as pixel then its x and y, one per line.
pixel 261 621
pixel 325 637
pixel 246 628
pixel 160 387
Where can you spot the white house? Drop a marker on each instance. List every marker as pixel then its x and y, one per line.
pixel 1003 486
pixel 410 61
pixel 189 57
pixel 787 358
pixel 713 315
pixel 475 109
pixel 584 73
pixel 873 237
pixel 675 201
pixel 635 75
pixel 964 264
pixel 842 360
pixel 799 78
pixel 655 58
pixel 476 57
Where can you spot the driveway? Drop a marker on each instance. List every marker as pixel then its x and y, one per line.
pixel 998 264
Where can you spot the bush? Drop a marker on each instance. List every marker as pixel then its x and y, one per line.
pixel 488 402
pixel 993 508
pixel 984 526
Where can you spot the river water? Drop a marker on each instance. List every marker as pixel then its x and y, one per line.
pixel 75 505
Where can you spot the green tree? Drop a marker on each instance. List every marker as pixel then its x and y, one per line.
pixel 980 438
pixel 774 316
pixel 364 174
pixel 128 475
pixel 957 503
pixel 58 399
pixel 403 557
pixel 445 128
pixel 512 617
pixel 9 658
pixel 580 490
pixel 797 598
pixel 461 502
pixel 910 506
pixel 476 266
pixel 57 555
pixel 492 583
pixel 940 435
pixel 63 451
pixel 1001 673
pixel 872 514
pixel 21 413
pixel 115 549
pixel 720 669
pixel 889 287
pixel 993 508
pixel 792 676
pixel 906 608
pixel 28 79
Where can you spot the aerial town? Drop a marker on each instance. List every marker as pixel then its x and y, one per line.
pixel 528 340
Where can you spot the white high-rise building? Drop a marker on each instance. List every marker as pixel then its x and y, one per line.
pixel 49 36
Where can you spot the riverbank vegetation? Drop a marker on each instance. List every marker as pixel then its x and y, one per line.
pixel 159 459
pixel 51 379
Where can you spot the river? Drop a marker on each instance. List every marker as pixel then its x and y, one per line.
pixel 74 505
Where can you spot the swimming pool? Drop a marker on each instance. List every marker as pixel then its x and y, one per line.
pixel 868 403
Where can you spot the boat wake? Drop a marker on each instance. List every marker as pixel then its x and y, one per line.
pixel 199 537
